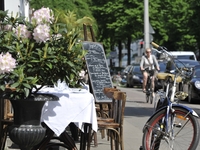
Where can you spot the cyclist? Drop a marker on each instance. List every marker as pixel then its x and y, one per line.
pixel 148 61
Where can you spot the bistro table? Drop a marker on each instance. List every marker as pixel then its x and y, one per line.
pixel 74 105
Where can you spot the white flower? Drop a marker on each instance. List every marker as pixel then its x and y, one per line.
pixel 57 36
pixel 82 74
pixel 7 63
pixel 22 31
pixel 41 33
pixel 42 16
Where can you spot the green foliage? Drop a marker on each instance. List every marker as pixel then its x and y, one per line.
pixel 176 23
pixel 171 23
pixel 42 63
pixel 78 7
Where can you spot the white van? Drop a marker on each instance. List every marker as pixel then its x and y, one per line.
pixel 183 55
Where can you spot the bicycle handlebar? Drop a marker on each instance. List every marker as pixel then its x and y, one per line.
pixel 180 70
pixel 155 45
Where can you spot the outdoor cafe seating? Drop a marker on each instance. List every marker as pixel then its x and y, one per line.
pixel 111 120
pixel 73 106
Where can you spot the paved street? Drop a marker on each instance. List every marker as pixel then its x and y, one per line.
pixel 137 112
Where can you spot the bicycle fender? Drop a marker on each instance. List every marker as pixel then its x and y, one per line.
pixel 186 108
pixel 173 105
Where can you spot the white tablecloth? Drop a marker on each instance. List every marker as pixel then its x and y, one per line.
pixel 77 107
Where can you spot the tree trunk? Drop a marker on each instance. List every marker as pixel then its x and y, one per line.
pixel 129 50
pixel 120 52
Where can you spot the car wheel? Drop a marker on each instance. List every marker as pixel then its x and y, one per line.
pixel 127 85
pixel 131 84
pixel 190 100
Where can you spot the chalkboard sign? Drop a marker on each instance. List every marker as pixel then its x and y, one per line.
pixel 99 74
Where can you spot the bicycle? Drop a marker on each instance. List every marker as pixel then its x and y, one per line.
pixel 149 89
pixel 173 126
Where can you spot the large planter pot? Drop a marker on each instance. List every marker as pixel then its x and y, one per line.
pixel 27 131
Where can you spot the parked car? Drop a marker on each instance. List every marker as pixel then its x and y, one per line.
pixel 134 76
pixel 180 64
pixel 124 74
pixel 116 70
pixel 192 85
pixel 183 55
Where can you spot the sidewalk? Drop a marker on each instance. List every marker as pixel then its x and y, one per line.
pixel 132 140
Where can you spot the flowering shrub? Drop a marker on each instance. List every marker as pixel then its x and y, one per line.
pixel 39 51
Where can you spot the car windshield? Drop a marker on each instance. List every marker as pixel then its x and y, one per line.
pixel 137 69
pixel 191 57
pixel 186 64
pixel 181 64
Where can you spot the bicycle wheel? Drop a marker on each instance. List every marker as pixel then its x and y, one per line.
pixel 183 131
pixel 147 97
pixel 151 97
pixel 148 92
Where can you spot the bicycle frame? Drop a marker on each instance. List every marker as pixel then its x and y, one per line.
pixel 149 90
pixel 149 83
pixel 168 104
pixel 172 106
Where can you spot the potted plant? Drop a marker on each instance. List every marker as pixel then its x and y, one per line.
pixel 37 53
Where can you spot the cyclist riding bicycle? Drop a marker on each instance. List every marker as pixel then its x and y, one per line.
pixel 148 61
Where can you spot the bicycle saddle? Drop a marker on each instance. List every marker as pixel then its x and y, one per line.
pixel 164 76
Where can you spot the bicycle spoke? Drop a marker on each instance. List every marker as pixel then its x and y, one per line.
pixel 182 134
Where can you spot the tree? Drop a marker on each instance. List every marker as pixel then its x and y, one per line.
pixel 119 21
pixel 78 7
pixel 194 23
pixel 171 23
pixel 122 21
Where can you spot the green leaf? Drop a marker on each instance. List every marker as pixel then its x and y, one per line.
pixel 15 85
pixel 27 92
pixel 27 85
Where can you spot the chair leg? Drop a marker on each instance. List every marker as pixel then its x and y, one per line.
pixel 95 139
pixel 102 134
pixel 108 132
pixel 4 137
pixel 122 143
pixel 112 140
pixel 117 143
pixel 121 138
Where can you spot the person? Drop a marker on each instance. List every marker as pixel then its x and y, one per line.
pixel 148 61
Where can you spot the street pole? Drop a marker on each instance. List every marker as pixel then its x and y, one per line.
pixel 146 24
